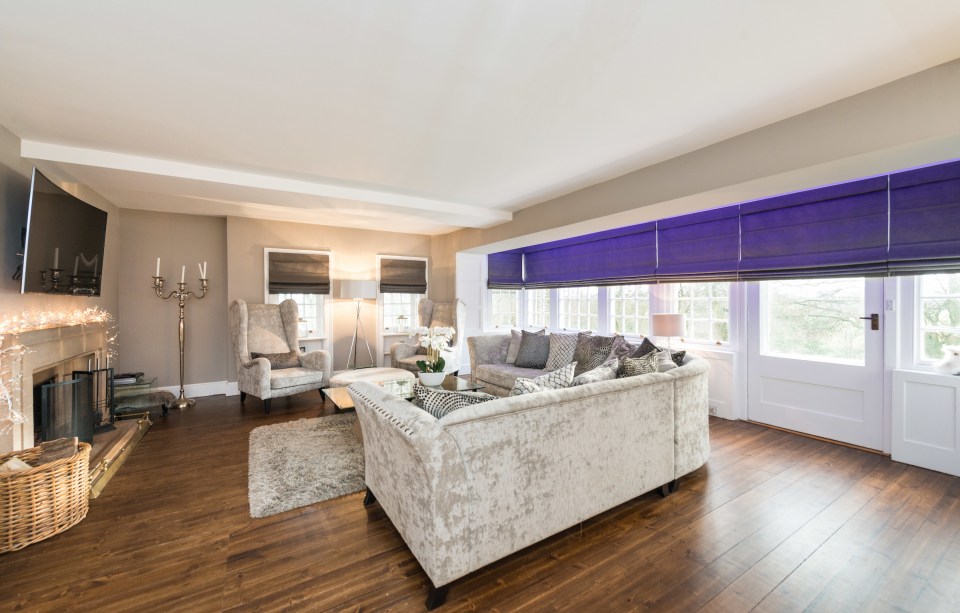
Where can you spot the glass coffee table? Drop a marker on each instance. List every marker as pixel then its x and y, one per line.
pixel 401 387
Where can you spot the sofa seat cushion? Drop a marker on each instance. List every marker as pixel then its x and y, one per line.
pixel 503 375
pixel 292 377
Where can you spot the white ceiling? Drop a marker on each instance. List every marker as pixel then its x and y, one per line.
pixel 423 116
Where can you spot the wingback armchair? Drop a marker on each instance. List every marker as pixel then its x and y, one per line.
pixel 432 314
pixel 280 369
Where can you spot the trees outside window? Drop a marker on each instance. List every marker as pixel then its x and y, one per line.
pixel 578 308
pixel 938 300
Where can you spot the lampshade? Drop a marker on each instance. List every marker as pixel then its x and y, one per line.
pixel 668 324
pixel 358 289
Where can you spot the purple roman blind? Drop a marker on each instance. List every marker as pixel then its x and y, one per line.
pixel 702 246
pixel 925 220
pixel 505 270
pixel 614 257
pixel 839 230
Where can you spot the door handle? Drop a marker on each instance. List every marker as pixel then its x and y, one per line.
pixel 874 321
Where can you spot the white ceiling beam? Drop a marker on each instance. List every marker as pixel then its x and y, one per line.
pixel 472 216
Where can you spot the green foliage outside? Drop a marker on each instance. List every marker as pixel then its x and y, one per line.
pixel 815 317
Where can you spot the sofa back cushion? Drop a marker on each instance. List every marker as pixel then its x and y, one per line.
pixel 534 350
pixel 562 346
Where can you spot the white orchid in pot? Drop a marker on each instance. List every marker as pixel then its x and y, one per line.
pixel 435 340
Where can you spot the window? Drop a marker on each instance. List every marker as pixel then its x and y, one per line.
pixel 629 309
pixel 938 314
pixel 396 307
pixel 538 307
pixel 707 307
pixel 304 277
pixel 578 308
pixel 813 318
pixel 505 311
pixel 310 309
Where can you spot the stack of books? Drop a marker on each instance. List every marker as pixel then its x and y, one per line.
pixel 127 378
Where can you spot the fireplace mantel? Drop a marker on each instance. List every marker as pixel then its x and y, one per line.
pixel 64 349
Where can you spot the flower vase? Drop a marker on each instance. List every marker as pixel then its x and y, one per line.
pixel 431 378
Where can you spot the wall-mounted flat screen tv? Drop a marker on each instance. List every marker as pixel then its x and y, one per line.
pixel 63 250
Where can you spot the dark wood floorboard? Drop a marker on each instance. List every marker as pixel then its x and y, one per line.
pixel 774 522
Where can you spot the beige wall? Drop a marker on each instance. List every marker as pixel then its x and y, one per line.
pixel 909 122
pixel 353 257
pixel 14 196
pixel 148 325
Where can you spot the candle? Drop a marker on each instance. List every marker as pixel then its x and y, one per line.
pixel 56 257
pixel 200 268
pixel 158 268
pixel 183 273
pixel 204 269
pixel 76 265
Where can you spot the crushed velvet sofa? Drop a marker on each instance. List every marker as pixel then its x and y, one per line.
pixel 488 364
pixel 492 478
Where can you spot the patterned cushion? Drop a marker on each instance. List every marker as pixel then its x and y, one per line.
pixel 631 367
pixel 607 370
pixel 562 346
pixel 525 386
pixel 622 348
pixel 534 349
pixel 555 380
pixel 279 360
pixel 676 356
pixel 441 402
pixel 591 351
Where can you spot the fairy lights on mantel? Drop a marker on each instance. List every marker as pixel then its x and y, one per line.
pixel 42 320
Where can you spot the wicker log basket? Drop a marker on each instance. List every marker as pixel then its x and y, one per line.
pixel 45 500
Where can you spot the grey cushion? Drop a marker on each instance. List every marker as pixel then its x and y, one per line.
pixel 514 346
pixel 562 346
pixel 503 375
pixel 292 377
pixel 631 367
pixel 440 402
pixel 554 380
pixel 604 372
pixel 592 351
pixel 534 349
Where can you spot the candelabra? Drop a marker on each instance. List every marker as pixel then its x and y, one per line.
pixel 181 294
pixel 80 285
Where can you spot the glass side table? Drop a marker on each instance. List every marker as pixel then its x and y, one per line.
pixel 135 398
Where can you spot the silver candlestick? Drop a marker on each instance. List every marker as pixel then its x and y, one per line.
pixel 181 294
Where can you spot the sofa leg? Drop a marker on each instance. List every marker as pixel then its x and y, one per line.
pixel 436 596
pixel 369 498
pixel 668 488
pixel 243 396
pixel 266 406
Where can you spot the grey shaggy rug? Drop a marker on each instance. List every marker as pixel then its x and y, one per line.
pixel 302 462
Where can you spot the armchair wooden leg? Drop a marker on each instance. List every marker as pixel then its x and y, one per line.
pixel 436 596
pixel 668 488
pixel 369 498
pixel 243 396
pixel 266 406
pixel 674 485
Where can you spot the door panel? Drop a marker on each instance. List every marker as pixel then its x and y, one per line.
pixel 814 365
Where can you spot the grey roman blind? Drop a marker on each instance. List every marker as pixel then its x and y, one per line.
pixel 403 276
pixel 298 273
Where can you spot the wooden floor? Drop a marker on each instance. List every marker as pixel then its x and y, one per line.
pixel 774 522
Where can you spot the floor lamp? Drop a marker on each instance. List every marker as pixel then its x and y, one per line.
pixel 358 290
pixel 668 324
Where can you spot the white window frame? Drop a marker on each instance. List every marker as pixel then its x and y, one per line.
pixel 916 324
pixel 492 324
pixel 528 312
pixel 673 306
pixel 580 300
pixel 322 323
pixel 386 335
pixel 611 327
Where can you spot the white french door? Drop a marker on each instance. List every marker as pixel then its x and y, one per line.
pixel 815 361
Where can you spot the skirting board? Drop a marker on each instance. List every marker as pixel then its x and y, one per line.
pixel 195 390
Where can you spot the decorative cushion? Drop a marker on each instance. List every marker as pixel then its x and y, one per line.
pixel 645 347
pixel 607 370
pixel 622 348
pixel 676 356
pixel 562 346
pixel 514 346
pixel 441 402
pixel 525 386
pixel 591 351
pixel 664 363
pixel 279 360
pixel 503 375
pixel 534 349
pixel 558 379
pixel 631 367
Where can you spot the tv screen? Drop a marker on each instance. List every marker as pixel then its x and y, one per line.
pixel 63 252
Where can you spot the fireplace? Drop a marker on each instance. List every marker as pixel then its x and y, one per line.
pixel 73 406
